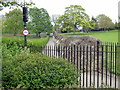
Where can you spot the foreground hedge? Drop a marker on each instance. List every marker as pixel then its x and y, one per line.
pixel 37 71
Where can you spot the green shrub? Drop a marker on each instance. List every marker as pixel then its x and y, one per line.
pixel 10 51
pixel 10 41
pixel 35 45
pixel 37 71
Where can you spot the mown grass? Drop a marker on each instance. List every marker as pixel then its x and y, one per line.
pixel 104 36
pixel 38 44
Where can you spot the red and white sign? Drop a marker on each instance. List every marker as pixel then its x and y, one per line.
pixel 25 32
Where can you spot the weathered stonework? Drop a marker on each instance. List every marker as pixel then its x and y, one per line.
pixel 76 40
pixel 82 50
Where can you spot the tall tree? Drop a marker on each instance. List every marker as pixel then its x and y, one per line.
pixel 104 22
pixel 40 20
pixel 74 18
pixel 13 23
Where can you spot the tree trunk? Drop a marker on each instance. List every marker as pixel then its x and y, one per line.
pixel 74 29
pixel 36 34
pixel 39 35
pixel 15 34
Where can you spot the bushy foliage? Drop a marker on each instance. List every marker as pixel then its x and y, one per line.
pixel 10 41
pixel 21 69
pixel 37 71
pixel 40 21
pixel 74 18
pixel 12 47
pixel 14 22
pixel 10 51
pixel 104 22
pixel 35 45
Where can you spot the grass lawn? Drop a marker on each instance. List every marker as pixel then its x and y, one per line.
pixel 104 36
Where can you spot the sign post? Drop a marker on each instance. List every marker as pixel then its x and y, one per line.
pixel 25 33
pixel 25 19
pixel 25 41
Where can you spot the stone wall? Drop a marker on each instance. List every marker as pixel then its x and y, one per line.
pixel 76 40
pixel 83 47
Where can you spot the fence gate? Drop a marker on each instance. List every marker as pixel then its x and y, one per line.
pixel 99 64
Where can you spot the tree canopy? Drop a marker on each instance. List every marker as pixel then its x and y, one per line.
pixel 40 20
pixel 10 3
pixel 13 23
pixel 74 18
pixel 104 22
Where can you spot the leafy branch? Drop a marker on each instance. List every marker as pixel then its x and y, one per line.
pixel 9 4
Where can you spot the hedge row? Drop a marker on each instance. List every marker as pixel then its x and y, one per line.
pixel 21 69
pixel 35 45
pixel 35 70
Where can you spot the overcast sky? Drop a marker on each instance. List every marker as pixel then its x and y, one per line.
pixel 92 7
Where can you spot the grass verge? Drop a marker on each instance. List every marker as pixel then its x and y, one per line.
pixel 104 36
